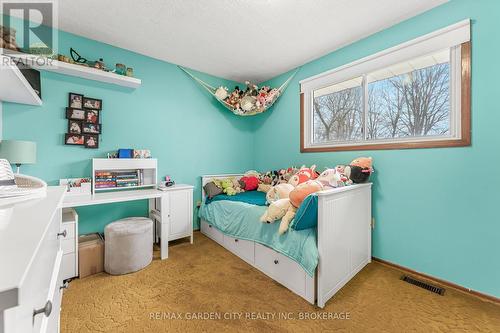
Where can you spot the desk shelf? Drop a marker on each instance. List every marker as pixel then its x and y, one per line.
pixel 142 173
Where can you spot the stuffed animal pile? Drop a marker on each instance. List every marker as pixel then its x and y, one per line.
pixel 286 189
pixel 8 38
pixel 250 101
pixel 285 197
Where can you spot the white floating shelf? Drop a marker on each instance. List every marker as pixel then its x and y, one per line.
pixel 13 85
pixel 42 63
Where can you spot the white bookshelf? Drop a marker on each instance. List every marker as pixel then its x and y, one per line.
pixel 146 170
pixel 14 87
pixel 42 63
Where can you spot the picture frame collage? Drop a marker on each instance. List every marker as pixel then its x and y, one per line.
pixel 84 121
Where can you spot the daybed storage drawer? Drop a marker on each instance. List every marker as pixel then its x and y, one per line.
pixel 281 268
pixel 242 248
pixel 212 232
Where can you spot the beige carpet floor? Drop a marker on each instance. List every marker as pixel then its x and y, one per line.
pixel 204 288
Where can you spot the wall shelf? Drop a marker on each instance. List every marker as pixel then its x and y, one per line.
pixel 14 87
pixel 42 63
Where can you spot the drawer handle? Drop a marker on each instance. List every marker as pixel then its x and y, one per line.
pixel 46 310
pixel 276 261
pixel 210 226
pixel 236 240
pixel 64 233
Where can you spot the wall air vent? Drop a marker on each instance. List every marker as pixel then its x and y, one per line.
pixel 422 284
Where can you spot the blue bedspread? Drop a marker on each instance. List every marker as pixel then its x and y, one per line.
pixel 241 220
pixel 251 197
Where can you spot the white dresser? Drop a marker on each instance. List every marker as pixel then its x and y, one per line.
pixel 30 264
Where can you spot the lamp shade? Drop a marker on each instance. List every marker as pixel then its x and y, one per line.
pixel 18 152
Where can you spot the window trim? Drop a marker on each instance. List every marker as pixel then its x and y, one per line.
pixel 462 139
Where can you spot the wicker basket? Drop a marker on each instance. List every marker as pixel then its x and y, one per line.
pixel 28 182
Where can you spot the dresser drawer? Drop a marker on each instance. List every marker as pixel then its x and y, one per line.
pixel 212 232
pixel 50 324
pixel 36 289
pixel 68 246
pixel 70 228
pixel 242 248
pixel 281 268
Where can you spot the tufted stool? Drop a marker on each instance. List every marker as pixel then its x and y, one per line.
pixel 128 245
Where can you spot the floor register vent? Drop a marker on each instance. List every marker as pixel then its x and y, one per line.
pixel 422 284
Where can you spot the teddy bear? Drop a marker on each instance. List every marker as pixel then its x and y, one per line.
pixel 359 170
pixel 221 93
pixel 261 97
pixel 333 178
pixel 284 175
pixel 276 211
pixel 280 191
pixel 237 185
pixel 227 186
pixel 233 100
pixel 296 197
pixel 272 95
pixel 303 175
pixel 249 183
pixel 251 89
pixel 247 103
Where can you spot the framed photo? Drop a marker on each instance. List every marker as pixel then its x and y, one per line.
pixel 92 103
pixel 92 116
pixel 75 101
pixel 75 127
pixel 74 139
pixel 91 141
pixel 75 114
pixel 90 128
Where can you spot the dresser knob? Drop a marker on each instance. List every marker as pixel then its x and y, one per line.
pixel 236 240
pixel 46 310
pixel 62 233
pixel 210 226
pixel 276 261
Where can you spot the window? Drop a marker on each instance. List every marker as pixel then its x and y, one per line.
pixel 416 95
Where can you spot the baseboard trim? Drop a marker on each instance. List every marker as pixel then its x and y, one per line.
pixel 440 281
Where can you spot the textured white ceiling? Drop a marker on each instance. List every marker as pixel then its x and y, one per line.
pixel 234 39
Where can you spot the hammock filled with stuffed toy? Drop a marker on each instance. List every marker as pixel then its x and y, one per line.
pixel 249 102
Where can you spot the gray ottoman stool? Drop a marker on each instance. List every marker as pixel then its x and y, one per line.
pixel 128 245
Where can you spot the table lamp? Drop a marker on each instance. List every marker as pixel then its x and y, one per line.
pixel 18 152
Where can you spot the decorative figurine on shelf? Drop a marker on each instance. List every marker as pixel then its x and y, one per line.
pixel 120 69
pixel 77 58
pixel 169 181
pixel 130 72
pixel 99 64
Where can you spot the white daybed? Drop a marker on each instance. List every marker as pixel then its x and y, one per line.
pixel 343 239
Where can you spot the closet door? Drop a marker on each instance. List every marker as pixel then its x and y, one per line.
pixel 181 213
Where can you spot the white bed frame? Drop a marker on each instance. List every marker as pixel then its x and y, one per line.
pixel 344 244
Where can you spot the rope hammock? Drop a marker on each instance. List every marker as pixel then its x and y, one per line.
pixel 244 103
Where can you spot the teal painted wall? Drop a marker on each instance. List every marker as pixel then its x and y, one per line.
pixel 435 210
pixel 171 115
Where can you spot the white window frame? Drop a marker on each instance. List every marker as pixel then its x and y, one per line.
pixel 451 37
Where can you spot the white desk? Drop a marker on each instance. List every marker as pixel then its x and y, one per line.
pixel 158 208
